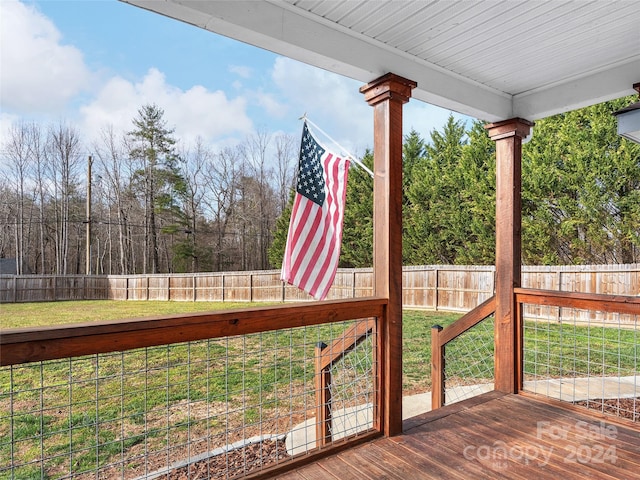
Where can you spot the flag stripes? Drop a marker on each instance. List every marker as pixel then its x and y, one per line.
pixel 315 230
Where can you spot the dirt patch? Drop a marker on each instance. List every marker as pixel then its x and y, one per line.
pixel 628 408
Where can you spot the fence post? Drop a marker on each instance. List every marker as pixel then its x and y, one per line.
pixel 194 288
pixel 437 369
pixel 323 399
pixel 222 282
pixel 251 287
pixel 437 286
pixel 353 290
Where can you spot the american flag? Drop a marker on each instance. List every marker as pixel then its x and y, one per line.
pixel 315 230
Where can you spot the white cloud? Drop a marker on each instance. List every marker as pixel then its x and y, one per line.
pixel 336 105
pixel 38 72
pixel 241 70
pixel 193 112
pixel 330 100
pixel 273 106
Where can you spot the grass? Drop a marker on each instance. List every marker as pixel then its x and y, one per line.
pixel 19 315
pixel 114 407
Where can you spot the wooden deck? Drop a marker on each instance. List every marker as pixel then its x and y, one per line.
pixel 493 436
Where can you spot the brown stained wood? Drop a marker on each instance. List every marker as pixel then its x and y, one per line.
pixel 346 342
pixel 441 458
pixel 388 458
pixel 323 400
pixel 508 136
pixel 567 413
pixel 386 95
pixel 47 343
pixel 437 368
pixel 586 301
pixel 421 421
pixel 334 465
pixel 293 476
pixel 463 441
pixel 464 323
pixel 527 431
pixel 361 461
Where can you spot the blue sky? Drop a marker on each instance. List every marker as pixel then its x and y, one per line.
pixel 93 63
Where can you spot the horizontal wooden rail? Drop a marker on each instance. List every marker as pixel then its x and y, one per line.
pixel 582 301
pixel 439 339
pixel 64 341
pixel 468 320
pixel 347 342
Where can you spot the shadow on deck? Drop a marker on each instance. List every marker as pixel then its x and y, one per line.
pixel 493 436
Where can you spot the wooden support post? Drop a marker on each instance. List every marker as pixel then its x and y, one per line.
pixel 323 399
pixel 508 136
pixel 386 95
pixel 437 369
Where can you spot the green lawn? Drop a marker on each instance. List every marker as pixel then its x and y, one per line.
pixel 14 315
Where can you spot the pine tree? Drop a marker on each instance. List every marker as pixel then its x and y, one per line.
pixel 158 179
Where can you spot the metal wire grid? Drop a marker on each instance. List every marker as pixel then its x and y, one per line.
pixel 585 357
pixel 469 363
pixel 352 390
pixel 209 409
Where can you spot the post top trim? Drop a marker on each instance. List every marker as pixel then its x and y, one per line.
pixel 519 127
pixel 388 86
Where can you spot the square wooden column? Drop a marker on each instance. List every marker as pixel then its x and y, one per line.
pixel 508 136
pixel 386 95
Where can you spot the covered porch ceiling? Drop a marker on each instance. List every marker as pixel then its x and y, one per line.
pixel 489 59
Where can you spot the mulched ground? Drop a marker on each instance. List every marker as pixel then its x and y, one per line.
pixel 236 462
pixel 628 408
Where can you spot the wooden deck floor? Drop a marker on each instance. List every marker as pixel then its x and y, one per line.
pixel 493 436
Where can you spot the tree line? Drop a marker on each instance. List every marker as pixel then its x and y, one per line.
pixel 158 206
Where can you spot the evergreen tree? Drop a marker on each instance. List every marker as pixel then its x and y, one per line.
pixel 434 226
pixel 158 179
pixel 357 236
pixel 581 190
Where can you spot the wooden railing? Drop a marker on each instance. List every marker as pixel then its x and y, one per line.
pixel 326 356
pixel 49 343
pixel 20 346
pixel 584 301
pixel 441 336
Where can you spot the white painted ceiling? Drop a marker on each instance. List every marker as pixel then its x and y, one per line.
pixel 490 59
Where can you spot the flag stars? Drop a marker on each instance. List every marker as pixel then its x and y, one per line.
pixel 311 182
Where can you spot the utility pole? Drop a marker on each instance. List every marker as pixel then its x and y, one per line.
pixel 88 220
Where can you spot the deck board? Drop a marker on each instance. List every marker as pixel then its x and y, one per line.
pixel 493 436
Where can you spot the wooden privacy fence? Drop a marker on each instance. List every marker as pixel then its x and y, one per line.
pixel 450 287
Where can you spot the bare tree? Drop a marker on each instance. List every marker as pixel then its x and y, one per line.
pixel 220 179
pixel 63 159
pixel 196 161
pixel 286 158
pixel 18 159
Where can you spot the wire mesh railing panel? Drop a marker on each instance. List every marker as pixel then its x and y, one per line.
pixel 352 390
pixel 585 357
pixel 469 363
pixel 217 408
